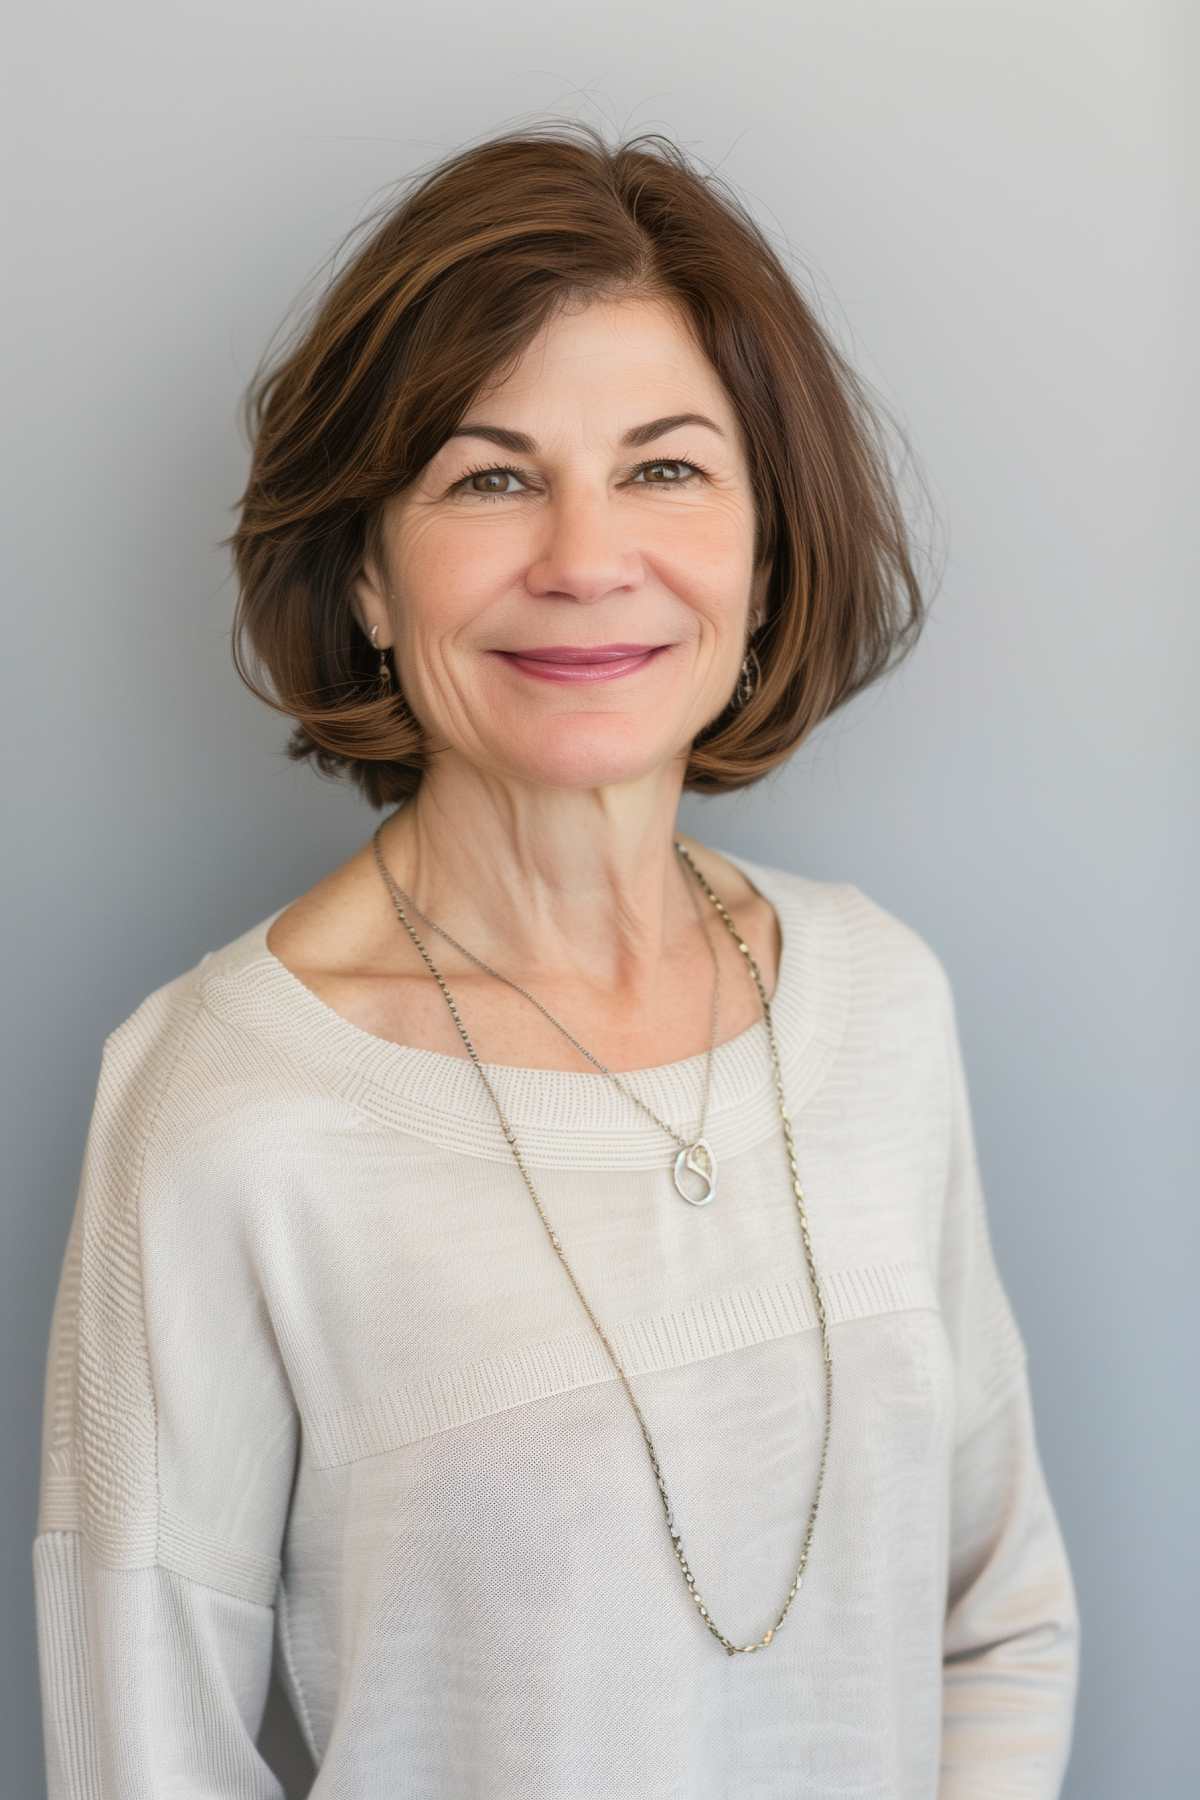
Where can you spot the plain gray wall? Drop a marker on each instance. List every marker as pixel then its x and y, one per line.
pixel 988 204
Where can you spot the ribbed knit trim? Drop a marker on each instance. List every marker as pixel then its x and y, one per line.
pixel 562 1117
pixel 712 1326
pixel 64 1651
pixel 198 1557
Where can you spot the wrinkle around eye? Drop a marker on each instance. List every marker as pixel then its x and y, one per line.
pixel 460 490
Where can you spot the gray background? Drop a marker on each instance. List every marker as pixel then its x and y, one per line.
pixel 987 203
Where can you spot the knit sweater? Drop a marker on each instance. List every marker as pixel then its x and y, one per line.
pixel 319 1389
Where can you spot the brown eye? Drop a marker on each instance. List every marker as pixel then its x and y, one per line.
pixel 668 462
pixel 473 475
pixel 464 489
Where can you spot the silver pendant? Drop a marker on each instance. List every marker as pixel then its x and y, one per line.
pixel 697 1157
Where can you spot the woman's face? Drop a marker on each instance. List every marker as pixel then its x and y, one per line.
pixel 600 531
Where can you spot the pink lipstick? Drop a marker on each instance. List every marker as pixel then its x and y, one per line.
pixel 567 662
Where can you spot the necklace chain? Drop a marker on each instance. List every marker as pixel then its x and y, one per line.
pixel 768 1636
pixel 695 1154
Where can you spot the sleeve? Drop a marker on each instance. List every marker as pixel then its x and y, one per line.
pixel 168 1444
pixel 1011 1637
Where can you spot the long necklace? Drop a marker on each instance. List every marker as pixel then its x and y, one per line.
pixel 695 1157
pixel 768 1636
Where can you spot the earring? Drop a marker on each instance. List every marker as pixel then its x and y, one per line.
pixel 749 677
pixel 385 674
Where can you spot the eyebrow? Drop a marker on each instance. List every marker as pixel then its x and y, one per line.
pixel 637 434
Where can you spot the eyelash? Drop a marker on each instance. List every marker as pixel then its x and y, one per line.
pixel 652 462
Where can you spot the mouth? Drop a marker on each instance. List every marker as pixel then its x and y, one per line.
pixel 607 665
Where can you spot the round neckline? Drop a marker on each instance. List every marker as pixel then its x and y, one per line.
pixel 352 1034
pixel 442 1095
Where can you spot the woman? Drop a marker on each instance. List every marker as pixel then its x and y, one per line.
pixel 538 1281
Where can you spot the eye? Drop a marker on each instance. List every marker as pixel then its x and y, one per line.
pixel 670 462
pixel 486 469
pixel 657 462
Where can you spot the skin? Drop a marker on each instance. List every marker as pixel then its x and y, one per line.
pixel 542 834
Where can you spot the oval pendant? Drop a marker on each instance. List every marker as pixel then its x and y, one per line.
pixel 699 1159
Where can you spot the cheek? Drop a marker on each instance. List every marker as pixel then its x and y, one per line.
pixel 445 578
pixel 710 550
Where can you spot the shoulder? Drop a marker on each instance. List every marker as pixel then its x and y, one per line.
pixel 141 1057
pixel 180 1082
pixel 885 943
pixel 902 1002
pixel 874 934
pixel 889 968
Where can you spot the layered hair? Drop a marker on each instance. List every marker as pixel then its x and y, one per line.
pixel 451 282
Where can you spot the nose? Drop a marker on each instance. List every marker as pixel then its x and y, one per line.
pixel 582 553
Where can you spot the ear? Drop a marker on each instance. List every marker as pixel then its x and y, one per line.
pixel 368 601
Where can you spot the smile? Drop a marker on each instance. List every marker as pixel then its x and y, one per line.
pixel 610 669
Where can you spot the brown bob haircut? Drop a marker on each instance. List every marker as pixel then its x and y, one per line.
pixel 453 281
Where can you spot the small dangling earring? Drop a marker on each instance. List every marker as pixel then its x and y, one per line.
pixel 385 674
pixel 749 678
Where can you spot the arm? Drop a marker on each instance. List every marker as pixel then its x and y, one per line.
pixel 169 1438
pixel 1011 1635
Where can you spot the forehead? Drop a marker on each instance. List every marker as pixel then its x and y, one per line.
pixel 607 364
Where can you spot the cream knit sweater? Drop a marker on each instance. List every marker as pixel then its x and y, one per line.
pixel 319 1387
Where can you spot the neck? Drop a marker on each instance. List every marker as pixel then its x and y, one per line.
pixel 581 887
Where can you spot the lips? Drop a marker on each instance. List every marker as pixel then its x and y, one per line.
pixel 607 664
pixel 584 653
